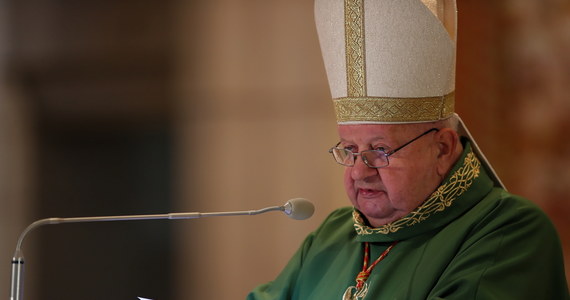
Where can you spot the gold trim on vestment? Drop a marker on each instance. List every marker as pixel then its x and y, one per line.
pixel 393 110
pixel 355 55
pixel 441 199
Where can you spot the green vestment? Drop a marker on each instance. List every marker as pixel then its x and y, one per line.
pixel 468 240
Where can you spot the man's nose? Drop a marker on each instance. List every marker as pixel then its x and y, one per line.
pixel 360 170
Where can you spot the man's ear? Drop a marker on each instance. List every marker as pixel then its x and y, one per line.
pixel 449 147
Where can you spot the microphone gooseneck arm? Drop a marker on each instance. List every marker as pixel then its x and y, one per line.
pixel 297 208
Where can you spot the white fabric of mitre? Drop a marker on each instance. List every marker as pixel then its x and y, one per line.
pixel 408 52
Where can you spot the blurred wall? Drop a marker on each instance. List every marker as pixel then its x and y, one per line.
pixel 96 77
pixel 16 158
pixel 513 75
pixel 254 123
pixel 16 174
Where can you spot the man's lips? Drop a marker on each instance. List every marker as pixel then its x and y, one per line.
pixel 364 192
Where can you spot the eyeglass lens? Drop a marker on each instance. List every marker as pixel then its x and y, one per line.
pixel 372 158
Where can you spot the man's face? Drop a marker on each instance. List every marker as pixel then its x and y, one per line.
pixel 387 194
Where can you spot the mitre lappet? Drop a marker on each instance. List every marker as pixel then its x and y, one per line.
pixel 391 61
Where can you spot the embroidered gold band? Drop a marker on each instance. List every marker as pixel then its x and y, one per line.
pixel 441 199
pixel 354 39
pixel 393 110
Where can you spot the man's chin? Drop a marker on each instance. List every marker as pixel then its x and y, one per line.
pixel 375 215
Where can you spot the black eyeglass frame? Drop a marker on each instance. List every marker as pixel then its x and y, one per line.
pixel 381 152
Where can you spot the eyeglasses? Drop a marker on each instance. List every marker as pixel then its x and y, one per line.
pixel 372 158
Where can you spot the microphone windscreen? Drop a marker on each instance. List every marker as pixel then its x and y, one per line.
pixel 299 208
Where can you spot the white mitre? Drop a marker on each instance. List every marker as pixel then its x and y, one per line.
pixel 391 61
pixel 387 61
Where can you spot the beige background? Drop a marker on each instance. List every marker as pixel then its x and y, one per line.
pixel 245 97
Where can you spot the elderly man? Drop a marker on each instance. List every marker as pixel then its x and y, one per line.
pixel 429 218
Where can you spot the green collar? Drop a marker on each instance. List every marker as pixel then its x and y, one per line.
pixel 465 185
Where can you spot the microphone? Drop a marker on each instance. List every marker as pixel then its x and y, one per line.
pixel 297 208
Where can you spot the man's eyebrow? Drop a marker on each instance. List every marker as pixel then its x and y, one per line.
pixel 373 141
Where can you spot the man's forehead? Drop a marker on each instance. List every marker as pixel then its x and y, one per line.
pixel 377 128
pixel 370 132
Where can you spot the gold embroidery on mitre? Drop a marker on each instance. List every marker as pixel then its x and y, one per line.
pixel 441 199
pixel 354 40
pixel 383 109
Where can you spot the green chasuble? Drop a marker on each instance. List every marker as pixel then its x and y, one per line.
pixel 468 240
